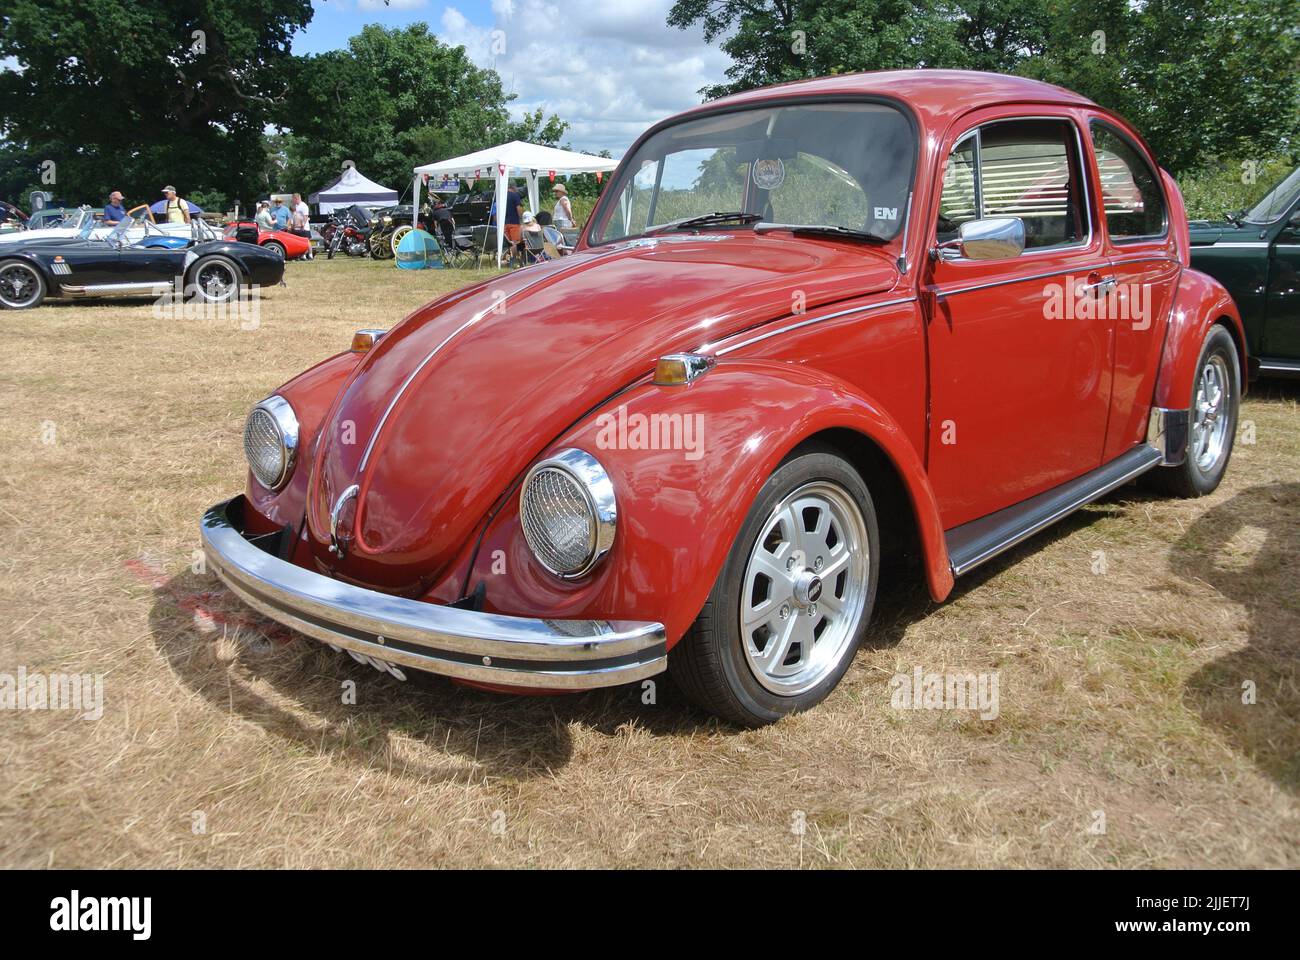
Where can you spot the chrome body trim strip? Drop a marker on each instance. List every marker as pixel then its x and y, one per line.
pixel 1168 433
pixel 108 289
pixel 804 323
pixel 978 541
pixel 1280 368
pixel 455 642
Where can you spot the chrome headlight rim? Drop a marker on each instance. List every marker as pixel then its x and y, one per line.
pixel 285 422
pixel 597 489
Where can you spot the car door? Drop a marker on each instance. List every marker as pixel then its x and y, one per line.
pixel 1282 298
pixel 1019 379
pixel 1144 274
pixel 157 265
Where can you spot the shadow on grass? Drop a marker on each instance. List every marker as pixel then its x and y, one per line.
pixel 1267 731
pixel 293 687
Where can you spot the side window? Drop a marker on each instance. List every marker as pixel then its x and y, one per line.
pixel 958 202
pixel 1017 168
pixel 1130 190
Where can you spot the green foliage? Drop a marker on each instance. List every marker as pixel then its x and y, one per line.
pixel 1227 186
pixel 121 94
pixel 1199 78
pixel 393 99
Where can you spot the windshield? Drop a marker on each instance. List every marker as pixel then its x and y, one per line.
pixel 1277 201
pixel 843 165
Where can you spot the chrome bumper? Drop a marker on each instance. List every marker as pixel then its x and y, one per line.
pixel 455 642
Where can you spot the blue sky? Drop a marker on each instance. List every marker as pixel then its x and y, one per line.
pixel 610 68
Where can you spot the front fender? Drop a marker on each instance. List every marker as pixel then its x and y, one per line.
pixel 311 394
pixel 681 504
pixel 1200 302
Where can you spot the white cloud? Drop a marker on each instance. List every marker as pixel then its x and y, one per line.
pixel 610 69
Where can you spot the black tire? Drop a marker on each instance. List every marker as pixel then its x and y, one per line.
pixel 1193 478
pixel 233 279
pixel 276 247
pixel 22 285
pixel 711 665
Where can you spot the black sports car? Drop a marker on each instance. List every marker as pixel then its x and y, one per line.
pixel 214 271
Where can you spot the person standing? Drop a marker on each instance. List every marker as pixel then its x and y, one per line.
pixel 302 223
pixel 263 216
pixel 114 212
pixel 280 214
pixel 563 209
pixel 175 210
pixel 514 222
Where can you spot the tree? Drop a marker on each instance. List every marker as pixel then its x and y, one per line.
pixel 1198 77
pixel 127 94
pixel 392 99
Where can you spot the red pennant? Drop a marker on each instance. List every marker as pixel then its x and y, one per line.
pixel 501 168
pixel 599 175
pixel 552 176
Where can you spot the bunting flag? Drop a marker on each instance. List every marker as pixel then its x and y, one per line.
pixel 551 174
pixel 501 168
pixel 599 176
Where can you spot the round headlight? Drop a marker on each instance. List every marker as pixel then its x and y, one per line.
pixel 271 441
pixel 567 510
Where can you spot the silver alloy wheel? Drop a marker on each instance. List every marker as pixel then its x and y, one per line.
pixel 20 285
pixel 1210 415
pixel 216 281
pixel 804 589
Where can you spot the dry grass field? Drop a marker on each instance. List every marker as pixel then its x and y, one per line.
pixel 1121 639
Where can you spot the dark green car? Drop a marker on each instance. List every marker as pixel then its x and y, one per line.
pixel 1256 255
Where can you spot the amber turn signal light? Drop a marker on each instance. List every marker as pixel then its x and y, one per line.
pixel 363 340
pixel 680 368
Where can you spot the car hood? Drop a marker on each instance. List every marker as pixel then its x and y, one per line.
pixel 455 402
pixel 1206 232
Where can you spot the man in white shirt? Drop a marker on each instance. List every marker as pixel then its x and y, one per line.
pixel 302 223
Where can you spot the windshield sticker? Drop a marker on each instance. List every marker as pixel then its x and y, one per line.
pixel 769 174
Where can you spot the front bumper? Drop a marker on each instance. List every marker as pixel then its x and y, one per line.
pixel 465 644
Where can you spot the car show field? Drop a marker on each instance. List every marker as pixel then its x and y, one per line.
pixel 1147 710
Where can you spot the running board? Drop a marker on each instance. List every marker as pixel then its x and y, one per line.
pixel 1279 368
pixel 979 540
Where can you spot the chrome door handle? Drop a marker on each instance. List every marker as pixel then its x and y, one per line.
pixel 1103 287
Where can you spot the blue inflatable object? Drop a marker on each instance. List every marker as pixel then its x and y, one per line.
pixel 418 251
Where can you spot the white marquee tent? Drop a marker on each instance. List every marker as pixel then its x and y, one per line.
pixel 513 159
pixel 351 188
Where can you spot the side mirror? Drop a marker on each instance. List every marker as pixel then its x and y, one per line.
pixel 996 238
pixel 1295 219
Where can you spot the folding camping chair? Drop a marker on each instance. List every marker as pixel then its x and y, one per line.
pixel 534 246
pixel 484 239
pixel 456 247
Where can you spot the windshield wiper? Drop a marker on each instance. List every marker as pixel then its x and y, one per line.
pixel 825 229
pixel 703 220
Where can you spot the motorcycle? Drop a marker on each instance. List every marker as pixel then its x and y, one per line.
pixel 342 232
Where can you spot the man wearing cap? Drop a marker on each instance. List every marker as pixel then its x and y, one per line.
pixel 114 212
pixel 280 214
pixel 175 210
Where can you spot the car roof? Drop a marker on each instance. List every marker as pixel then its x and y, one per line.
pixel 932 94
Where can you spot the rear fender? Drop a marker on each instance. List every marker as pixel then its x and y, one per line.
pixel 1201 301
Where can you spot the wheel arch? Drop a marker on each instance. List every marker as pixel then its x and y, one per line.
pixel 1201 303
pixel 678 516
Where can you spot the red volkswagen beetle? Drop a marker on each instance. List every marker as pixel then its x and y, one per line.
pixel 807 327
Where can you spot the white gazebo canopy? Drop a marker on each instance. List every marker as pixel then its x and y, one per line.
pixel 351 188
pixel 513 159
